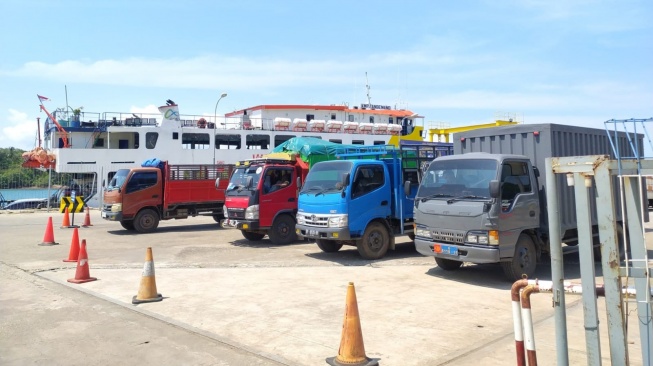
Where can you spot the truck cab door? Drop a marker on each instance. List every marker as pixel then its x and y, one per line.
pixel 143 189
pixel 370 197
pixel 279 194
pixel 520 207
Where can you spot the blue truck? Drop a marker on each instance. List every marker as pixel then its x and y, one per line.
pixel 365 198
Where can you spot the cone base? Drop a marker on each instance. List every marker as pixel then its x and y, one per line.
pixel 70 227
pixel 70 260
pixel 87 225
pixel 49 243
pixel 74 280
pixel 136 301
pixel 368 362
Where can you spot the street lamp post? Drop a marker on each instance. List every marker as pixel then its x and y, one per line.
pixel 215 122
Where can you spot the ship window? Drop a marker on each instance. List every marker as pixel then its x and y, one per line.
pixel 358 142
pixel 195 141
pixel 310 117
pixel 391 120
pixel 257 142
pixel 99 142
pixel 225 142
pixel 150 139
pixel 371 119
pixel 350 118
pixel 337 141
pixel 379 142
pixel 333 116
pixel 280 139
pixel 175 135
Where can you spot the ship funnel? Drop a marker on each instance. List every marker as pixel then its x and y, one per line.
pixel 170 114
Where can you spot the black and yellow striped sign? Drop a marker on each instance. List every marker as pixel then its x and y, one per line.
pixel 73 206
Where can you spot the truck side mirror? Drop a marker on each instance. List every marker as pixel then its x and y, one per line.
pixel 250 180
pixel 299 183
pixel 536 171
pixel 345 180
pixel 494 188
pixel 217 183
pixel 407 188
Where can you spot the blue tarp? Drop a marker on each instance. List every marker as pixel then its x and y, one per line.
pixel 155 163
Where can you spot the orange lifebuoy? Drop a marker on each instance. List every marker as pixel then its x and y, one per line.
pixel 201 123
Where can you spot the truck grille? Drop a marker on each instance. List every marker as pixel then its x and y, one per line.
pixel 316 220
pixel 235 213
pixel 448 236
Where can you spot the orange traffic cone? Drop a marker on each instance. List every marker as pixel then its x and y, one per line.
pixel 73 255
pixel 66 219
pixel 147 291
pixel 87 218
pixel 82 274
pixel 48 238
pixel 352 350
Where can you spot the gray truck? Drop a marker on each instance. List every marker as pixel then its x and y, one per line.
pixel 487 202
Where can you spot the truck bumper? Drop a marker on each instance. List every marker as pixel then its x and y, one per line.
pixel 311 232
pixel 111 216
pixel 247 225
pixel 465 253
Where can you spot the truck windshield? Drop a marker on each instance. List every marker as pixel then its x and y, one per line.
pixel 118 179
pixel 458 179
pixel 239 178
pixel 324 176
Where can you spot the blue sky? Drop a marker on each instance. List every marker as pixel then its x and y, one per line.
pixel 454 62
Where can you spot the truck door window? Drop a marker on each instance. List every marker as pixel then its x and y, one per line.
pixel 368 179
pixel 514 180
pixel 276 179
pixel 140 181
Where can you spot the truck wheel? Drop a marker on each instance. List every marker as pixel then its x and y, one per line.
pixel 328 246
pixel 129 225
pixel 448 264
pixel 282 230
pixel 411 236
pixel 146 221
pixel 252 236
pixel 523 261
pixel 375 241
pixel 218 218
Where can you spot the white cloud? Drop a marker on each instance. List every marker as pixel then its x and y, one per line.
pixel 19 132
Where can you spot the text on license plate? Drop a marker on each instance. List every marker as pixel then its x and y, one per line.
pixel 311 232
pixel 445 249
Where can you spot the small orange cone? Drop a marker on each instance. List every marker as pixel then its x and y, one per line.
pixel 48 238
pixel 147 291
pixel 73 255
pixel 82 273
pixel 66 219
pixel 352 350
pixel 87 218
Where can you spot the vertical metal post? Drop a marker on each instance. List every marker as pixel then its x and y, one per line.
pixel 606 219
pixel 586 256
pixel 639 266
pixel 557 270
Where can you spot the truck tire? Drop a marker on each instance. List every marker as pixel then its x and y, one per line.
pixel 282 230
pixel 448 264
pixel 411 236
pixel 375 241
pixel 328 246
pixel 129 225
pixel 146 221
pixel 524 261
pixel 218 218
pixel 252 236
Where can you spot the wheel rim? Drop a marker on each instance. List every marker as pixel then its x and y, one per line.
pixel 376 241
pixel 524 258
pixel 147 221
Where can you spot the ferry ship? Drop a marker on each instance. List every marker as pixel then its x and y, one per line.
pixel 94 146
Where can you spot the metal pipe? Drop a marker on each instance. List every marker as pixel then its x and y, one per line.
pixel 517 321
pixel 527 318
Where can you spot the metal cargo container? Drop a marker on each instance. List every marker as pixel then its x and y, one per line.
pixel 541 141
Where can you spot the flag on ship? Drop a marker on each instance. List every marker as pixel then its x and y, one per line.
pixel 42 98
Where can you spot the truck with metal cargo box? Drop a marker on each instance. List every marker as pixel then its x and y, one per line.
pixel 140 197
pixel 487 202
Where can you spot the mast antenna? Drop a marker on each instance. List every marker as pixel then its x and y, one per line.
pixel 367 86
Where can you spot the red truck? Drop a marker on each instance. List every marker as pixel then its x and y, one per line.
pixel 261 198
pixel 140 197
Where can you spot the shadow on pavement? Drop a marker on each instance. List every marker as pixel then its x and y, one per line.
pixel 348 255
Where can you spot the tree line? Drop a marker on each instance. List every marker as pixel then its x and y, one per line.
pixel 13 175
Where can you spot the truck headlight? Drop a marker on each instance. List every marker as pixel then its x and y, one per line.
pixel 251 213
pixel 483 237
pixel 225 213
pixel 338 221
pixel 423 232
pixel 301 220
pixel 116 207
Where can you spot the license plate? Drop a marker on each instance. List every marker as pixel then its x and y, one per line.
pixel 311 232
pixel 104 215
pixel 445 249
